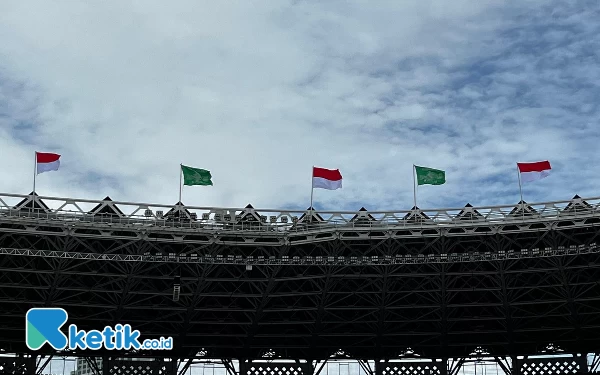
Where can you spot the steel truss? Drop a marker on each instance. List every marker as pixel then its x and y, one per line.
pixel 368 285
pixel 268 227
pixel 309 260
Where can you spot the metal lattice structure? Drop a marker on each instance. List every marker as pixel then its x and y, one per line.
pixel 16 365
pixel 419 368
pixel 238 282
pixel 121 367
pixel 545 366
pixel 275 368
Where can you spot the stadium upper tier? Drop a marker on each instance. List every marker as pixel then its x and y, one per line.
pixel 508 278
pixel 159 222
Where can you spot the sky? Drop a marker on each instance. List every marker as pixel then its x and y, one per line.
pixel 260 91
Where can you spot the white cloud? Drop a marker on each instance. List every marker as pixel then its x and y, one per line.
pixel 258 92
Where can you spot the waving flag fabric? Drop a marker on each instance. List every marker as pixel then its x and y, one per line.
pixel 534 171
pixel 430 176
pixel 196 176
pixel 330 179
pixel 46 162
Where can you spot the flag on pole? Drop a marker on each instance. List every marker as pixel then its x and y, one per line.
pixel 429 176
pixel 330 179
pixel 196 176
pixel 46 162
pixel 534 171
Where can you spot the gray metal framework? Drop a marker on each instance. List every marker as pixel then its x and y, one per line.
pixel 268 227
pixel 235 283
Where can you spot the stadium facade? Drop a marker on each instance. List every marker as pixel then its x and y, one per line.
pixel 256 285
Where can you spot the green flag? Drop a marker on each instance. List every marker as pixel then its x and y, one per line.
pixel 429 176
pixel 196 176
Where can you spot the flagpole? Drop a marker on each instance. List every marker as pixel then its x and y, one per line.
pixel 414 186
pixel 34 175
pixel 521 192
pixel 520 187
pixel 312 191
pixel 180 185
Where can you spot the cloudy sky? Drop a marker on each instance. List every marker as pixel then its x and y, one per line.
pixel 260 91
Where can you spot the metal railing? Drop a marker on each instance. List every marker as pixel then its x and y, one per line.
pixel 95 213
pixel 372 260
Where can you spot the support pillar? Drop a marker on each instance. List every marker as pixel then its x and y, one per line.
pixel 515 365
pixel 105 366
pixel 32 364
pixel 172 366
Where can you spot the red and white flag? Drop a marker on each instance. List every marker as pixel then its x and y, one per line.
pixel 46 162
pixel 330 179
pixel 534 171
